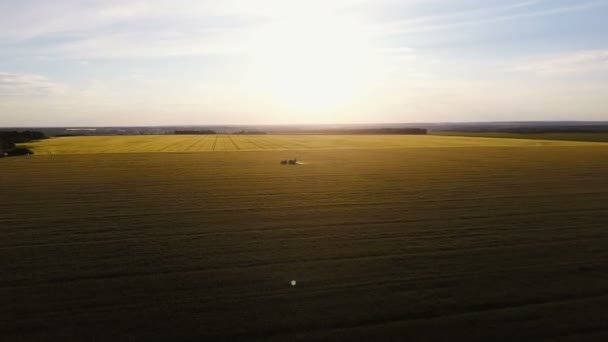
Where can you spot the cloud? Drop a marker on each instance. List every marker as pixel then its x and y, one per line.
pixel 114 29
pixel 487 15
pixel 577 62
pixel 161 28
pixel 138 29
pixel 27 85
pixel 74 18
pixel 149 44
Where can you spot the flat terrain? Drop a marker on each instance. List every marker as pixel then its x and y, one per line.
pixel 599 137
pixel 206 143
pixel 482 243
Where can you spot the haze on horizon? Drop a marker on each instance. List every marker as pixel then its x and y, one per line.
pixel 70 63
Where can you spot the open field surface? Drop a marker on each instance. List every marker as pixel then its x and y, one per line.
pixel 424 244
pixel 598 137
pixel 205 143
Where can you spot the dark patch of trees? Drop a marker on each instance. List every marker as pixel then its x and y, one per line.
pixel 21 137
pixel 249 132
pixel 536 130
pixel 10 139
pixel 204 131
pixel 529 128
pixel 405 131
pixel 6 145
pixel 19 151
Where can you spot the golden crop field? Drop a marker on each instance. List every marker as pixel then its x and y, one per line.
pixel 204 143
pixel 472 239
pixel 588 136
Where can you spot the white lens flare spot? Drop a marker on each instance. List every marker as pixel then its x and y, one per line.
pixel 293 283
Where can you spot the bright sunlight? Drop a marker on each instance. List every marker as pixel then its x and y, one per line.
pixel 315 66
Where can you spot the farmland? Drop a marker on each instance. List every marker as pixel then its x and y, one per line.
pixel 588 136
pixel 207 143
pixel 425 239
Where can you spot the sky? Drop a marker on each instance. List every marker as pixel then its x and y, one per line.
pixel 190 62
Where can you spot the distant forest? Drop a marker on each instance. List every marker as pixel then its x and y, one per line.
pixel 10 139
pixel 384 128
pixel 246 132
pixel 541 129
pixel 208 131
pixel 204 131
pixel 411 131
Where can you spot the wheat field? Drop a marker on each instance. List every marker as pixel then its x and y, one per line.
pixel 481 242
pixel 205 143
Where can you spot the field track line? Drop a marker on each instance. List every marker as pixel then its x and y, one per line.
pixel 263 143
pixel 255 144
pixel 205 142
pixel 273 144
pixel 113 148
pixel 171 145
pixel 214 143
pixel 195 143
pixel 144 145
pixel 233 143
pixel 292 142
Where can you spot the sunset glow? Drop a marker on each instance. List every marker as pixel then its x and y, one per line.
pixel 163 62
pixel 315 67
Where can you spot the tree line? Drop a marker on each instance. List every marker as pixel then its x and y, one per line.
pixel 405 131
pixel 10 139
pixel 205 131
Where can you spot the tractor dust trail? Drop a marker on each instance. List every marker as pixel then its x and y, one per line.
pixel 292 163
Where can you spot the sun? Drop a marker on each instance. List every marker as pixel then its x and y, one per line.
pixel 313 65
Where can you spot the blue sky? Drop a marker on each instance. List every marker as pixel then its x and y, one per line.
pixel 166 62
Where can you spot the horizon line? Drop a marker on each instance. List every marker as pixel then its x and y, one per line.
pixel 317 124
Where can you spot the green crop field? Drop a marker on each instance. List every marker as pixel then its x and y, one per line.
pixel 428 239
pixel 205 143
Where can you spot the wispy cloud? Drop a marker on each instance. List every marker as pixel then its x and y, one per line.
pixel 110 29
pixel 163 28
pixel 487 15
pixel 74 18
pixel 573 62
pixel 149 44
pixel 12 84
pixel 73 29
